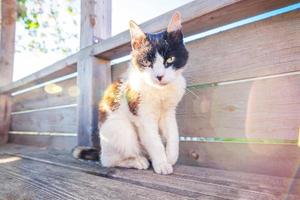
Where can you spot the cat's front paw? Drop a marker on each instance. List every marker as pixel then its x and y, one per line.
pixel 163 168
pixel 142 163
pixel 172 156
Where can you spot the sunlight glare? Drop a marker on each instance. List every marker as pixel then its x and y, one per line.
pixel 8 160
pixel 74 91
pixel 53 88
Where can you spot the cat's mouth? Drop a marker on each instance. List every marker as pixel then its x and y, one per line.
pixel 162 84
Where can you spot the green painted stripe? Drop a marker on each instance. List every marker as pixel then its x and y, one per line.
pixel 201 86
pixel 238 140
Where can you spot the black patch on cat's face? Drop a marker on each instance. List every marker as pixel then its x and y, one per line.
pixel 164 43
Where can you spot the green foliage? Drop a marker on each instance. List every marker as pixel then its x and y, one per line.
pixel 43 25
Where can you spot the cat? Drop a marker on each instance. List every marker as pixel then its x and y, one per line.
pixel 137 115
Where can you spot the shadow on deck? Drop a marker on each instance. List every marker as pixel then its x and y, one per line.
pixel 37 173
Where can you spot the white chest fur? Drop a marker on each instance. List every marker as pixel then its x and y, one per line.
pixel 156 100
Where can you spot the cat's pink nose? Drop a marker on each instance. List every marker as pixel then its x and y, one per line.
pixel 159 77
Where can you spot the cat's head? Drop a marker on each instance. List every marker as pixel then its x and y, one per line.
pixel 159 57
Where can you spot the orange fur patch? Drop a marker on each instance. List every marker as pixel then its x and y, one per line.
pixel 133 99
pixel 110 100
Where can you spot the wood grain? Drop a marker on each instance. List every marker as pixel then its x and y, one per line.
pixel 61 93
pixel 94 74
pixel 5 110
pixel 252 181
pixel 275 160
pixel 7 40
pixel 119 70
pixel 56 70
pixel 53 182
pixel 262 48
pixel 197 16
pixel 45 141
pixel 267 109
pixel 56 120
pixel 186 181
pixel 7 46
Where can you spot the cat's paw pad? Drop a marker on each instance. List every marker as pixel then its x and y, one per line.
pixel 142 163
pixel 163 168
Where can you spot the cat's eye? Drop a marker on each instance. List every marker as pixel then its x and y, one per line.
pixel 170 60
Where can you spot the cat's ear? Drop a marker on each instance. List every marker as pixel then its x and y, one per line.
pixel 138 37
pixel 175 23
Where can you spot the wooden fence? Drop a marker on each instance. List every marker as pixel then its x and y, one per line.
pixel 242 106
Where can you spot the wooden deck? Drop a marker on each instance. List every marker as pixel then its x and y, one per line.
pixel 36 173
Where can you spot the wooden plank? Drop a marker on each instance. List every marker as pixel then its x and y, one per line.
pixel 186 180
pixel 197 16
pixel 267 109
pixel 55 120
pixel 95 22
pixel 279 185
pixel 5 110
pixel 53 182
pixel 94 74
pixel 243 52
pixel 93 77
pixel 7 40
pixel 54 94
pixel 46 141
pixel 276 160
pixel 119 70
pixel 7 47
pixel 263 48
pixel 56 70
pixel 194 186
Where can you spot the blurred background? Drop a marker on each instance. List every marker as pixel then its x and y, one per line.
pixel 48 30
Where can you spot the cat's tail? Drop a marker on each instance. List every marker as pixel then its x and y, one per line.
pixel 86 153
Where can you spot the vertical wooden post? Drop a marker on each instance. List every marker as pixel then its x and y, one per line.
pixel 7 48
pixel 5 110
pixel 94 74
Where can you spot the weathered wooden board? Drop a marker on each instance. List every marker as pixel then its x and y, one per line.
pixel 197 16
pixel 262 48
pixel 8 16
pixel 54 94
pixel 56 120
pixel 186 180
pixel 276 160
pixel 267 109
pixel 48 141
pixel 5 110
pixel 266 47
pixel 256 182
pixel 56 70
pixel 7 40
pixel 119 70
pixel 42 181
pixel 94 74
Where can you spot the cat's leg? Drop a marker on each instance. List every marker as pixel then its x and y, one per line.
pixel 151 140
pixel 120 146
pixel 169 129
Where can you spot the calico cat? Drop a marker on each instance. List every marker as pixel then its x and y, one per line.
pixel 137 115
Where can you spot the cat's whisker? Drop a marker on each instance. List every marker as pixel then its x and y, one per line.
pixel 191 92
